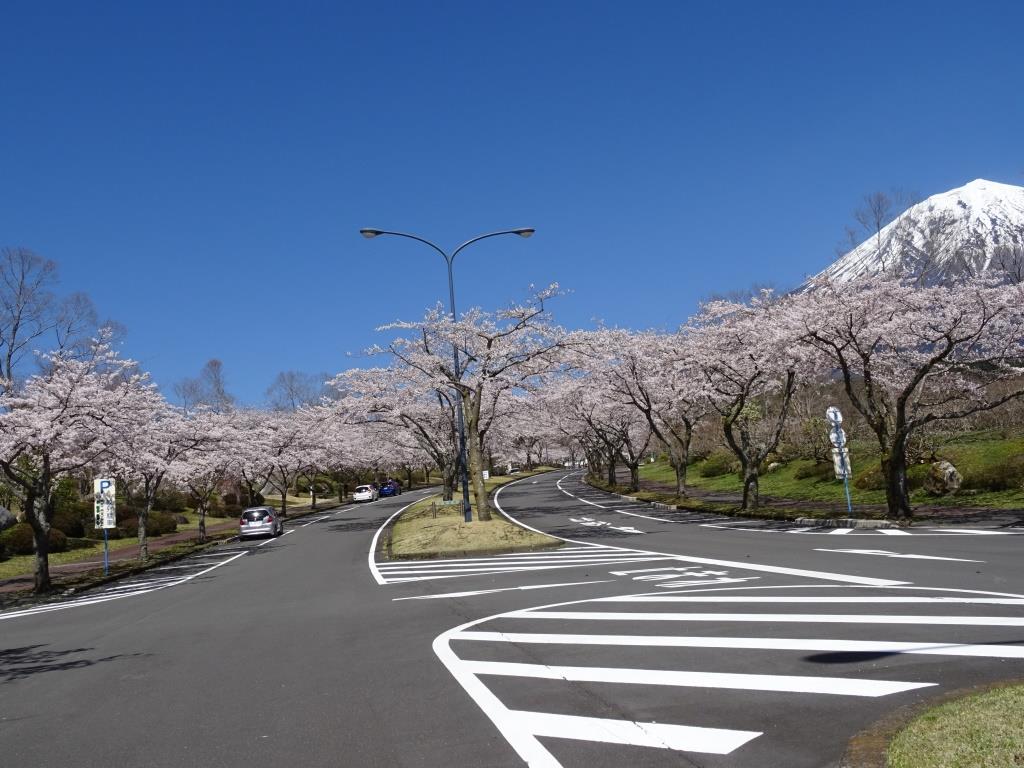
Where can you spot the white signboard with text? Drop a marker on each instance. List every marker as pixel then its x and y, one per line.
pixel 105 505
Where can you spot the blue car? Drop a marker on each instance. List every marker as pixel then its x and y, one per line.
pixel 390 488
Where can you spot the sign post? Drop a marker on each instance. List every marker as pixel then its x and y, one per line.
pixel 840 453
pixel 105 513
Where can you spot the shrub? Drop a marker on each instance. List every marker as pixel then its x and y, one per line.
pixel 718 464
pixel 816 471
pixel 233 510
pixel 69 523
pixel 126 512
pixel 163 522
pixel 230 499
pixel 58 541
pixel 1004 475
pixel 170 500
pixel 3 550
pixel 18 539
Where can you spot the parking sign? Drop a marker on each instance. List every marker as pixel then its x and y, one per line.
pixel 105 507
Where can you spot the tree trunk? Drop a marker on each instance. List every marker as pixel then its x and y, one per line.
pixel 476 476
pixel 751 488
pixel 202 522
pixel 408 478
pixel 36 517
pixel 634 475
pixel 612 470
pixel 680 470
pixel 894 468
pixel 143 519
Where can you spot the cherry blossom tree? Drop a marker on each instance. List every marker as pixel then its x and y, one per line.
pixel 405 403
pixel 655 373
pixel 205 465
pixel 62 420
pixel 911 355
pixel 502 353
pixel 751 363
pixel 148 448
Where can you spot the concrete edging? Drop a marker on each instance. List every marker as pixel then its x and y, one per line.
pixel 821 522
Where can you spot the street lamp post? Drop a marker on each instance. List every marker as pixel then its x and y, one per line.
pixel 467 510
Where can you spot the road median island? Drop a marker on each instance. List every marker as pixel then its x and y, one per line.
pixel 980 727
pixel 432 529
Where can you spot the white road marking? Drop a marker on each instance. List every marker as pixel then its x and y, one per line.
pixel 373 545
pixel 892 532
pixel 970 532
pixel 886 553
pixel 503 589
pixel 789 599
pixel 752 643
pixel 849 579
pixel 779 618
pixel 839 686
pixel 685 738
pixel 840 531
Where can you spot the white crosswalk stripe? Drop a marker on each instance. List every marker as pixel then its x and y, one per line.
pixel 397 571
pixel 488 656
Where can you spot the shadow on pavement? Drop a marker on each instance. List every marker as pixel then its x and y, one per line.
pixel 21 663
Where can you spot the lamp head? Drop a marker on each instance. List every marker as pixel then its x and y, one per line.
pixel 525 232
pixel 370 233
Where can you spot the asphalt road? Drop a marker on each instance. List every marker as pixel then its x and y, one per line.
pixel 652 638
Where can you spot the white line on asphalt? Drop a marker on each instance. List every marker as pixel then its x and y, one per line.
pixel 684 738
pixel 840 531
pixel 885 553
pixel 786 599
pixel 478 563
pixel 529 559
pixel 970 531
pixel 780 618
pixel 892 532
pixel 849 579
pixel 840 686
pixel 503 589
pixel 513 568
pixel 752 643
pixel 373 545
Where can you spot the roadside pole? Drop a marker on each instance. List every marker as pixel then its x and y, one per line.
pixel 840 453
pixel 105 513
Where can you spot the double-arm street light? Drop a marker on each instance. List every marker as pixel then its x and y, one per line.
pixel 467 510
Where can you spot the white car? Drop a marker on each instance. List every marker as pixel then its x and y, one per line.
pixel 365 493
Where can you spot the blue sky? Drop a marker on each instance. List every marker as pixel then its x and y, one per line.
pixel 201 170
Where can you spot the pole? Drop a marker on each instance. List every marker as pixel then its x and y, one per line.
pixel 106 554
pixel 467 509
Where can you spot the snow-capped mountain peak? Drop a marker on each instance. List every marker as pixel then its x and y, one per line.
pixel 974 229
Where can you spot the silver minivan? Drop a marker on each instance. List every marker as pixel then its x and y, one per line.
pixel 260 521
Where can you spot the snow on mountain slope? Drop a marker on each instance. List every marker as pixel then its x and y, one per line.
pixel 974 229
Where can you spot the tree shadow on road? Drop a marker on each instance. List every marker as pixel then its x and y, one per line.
pixel 26 661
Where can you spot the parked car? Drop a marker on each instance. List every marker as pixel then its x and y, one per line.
pixel 365 493
pixel 391 488
pixel 260 521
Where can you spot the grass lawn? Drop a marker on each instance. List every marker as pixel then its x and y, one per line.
pixel 971 454
pixel 981 731
pixel 418 533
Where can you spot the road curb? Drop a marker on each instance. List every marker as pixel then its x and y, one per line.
pixel 821 522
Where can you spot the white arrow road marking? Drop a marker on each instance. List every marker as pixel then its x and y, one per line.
pixel 886 553
pixel 751 643
pixel 504 589
pixel 840 686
